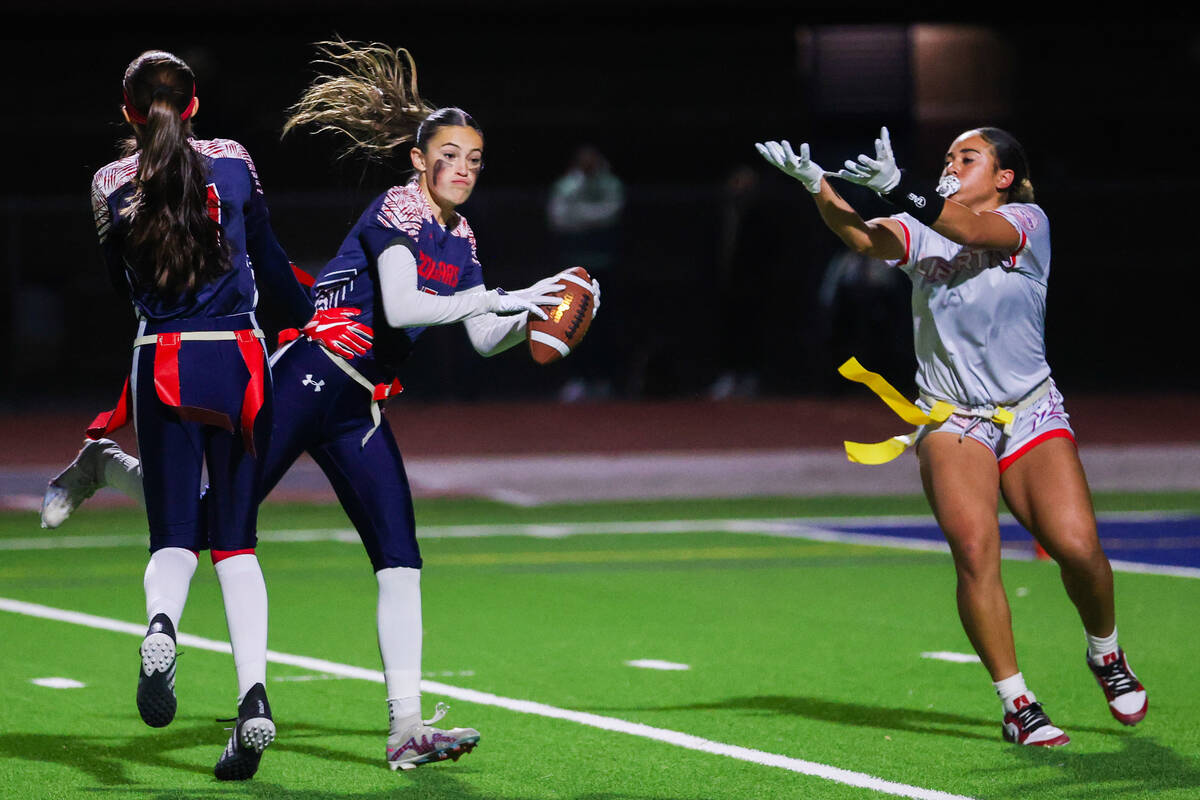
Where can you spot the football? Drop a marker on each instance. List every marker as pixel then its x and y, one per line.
pixel 551 339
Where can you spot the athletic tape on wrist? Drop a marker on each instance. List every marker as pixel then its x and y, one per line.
pixel 924 206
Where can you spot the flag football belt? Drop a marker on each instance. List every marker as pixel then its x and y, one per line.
pixel 166 383
pixel 939 412
pixel 379 391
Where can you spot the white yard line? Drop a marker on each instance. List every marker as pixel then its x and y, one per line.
pixel 824 529
pixel 676 738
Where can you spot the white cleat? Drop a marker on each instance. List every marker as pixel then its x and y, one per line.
pixel 421 743
pixel 76 483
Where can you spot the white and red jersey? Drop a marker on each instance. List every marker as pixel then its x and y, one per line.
pixel 979 315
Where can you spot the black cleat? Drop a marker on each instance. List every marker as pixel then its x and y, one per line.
pixel 254 731
pixel 156 678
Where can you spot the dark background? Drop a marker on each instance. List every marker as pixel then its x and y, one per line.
pixel 674 95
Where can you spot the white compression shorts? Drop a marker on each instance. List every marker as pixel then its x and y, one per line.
pixel 1045 419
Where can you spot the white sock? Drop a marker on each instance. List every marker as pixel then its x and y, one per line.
pixel 245 595
pixel 1101 646
pixel 123 472
pixel 403 712
pixel 168 576
pixel 1010 689
pixel 399 623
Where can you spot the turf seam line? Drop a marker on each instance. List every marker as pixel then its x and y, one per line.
pixel 785 527
pixel 676 738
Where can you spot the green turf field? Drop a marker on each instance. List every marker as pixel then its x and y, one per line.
pixel 804 656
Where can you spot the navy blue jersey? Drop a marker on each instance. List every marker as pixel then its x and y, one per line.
pixel 447 262
pixel 236 202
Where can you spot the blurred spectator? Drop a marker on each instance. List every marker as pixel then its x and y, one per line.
pixel 746 253
pixel 585 213
pixel 866 310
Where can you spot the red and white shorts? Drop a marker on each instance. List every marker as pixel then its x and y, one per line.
pixel 1047 418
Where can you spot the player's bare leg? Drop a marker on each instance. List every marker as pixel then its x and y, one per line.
pixel 1048 494
pixel 960 476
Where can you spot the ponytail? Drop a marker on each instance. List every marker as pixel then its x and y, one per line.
pixel 1010 155
pixel 174 243
pixel 371 98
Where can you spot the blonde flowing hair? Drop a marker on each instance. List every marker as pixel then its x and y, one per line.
pixel 369 96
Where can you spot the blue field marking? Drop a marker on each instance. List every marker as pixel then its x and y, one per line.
pixel 1169 540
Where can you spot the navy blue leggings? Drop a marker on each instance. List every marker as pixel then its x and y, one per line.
pixel 322 411
pixel 174 450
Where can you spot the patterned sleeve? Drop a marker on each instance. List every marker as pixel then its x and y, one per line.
pixel 1032 254
pixel 103 186
pixel 397 221
pixel 914 237
pixel 227 148
pixel 473 272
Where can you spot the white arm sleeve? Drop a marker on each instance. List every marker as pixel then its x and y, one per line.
pixel 406 306
pixel 491 333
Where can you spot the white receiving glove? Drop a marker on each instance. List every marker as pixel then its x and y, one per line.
pixel 800 167
pixel 879 173
pixel 595 298
pixel 502 302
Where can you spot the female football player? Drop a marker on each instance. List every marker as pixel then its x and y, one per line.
pixel 408 263
pixel 180 222
pixel 978 253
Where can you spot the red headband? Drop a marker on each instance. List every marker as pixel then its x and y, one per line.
pixel 140 118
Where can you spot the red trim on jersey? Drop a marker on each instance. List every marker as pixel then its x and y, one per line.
pixel 220 555
pixel 1024 237
pixel 1057 433
pixel 1021 246
pixel 907 244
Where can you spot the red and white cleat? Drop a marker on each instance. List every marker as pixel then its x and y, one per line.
pixel 1126 696
pixel 1030 725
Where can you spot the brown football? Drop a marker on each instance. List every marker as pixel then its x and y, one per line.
pixel 551 339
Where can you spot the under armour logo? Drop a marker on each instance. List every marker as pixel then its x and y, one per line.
pixel 308 381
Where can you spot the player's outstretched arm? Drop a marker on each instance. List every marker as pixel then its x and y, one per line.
pixel 406 306
pixel 491 333
pixel 955 221
pixel 879 238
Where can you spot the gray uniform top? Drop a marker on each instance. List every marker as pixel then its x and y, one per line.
pixel 979 315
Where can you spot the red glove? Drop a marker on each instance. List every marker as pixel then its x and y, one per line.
pixel 336 330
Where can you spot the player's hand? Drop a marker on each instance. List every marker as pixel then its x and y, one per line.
pixel 502 302
pixel 336 331
pixel 800 167
pixel 879 173
pixel 595 298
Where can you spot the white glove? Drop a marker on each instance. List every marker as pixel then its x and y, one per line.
pixel 502 302
pixel 800 167
pixel 546 286
pixel 595 298
pixel 879 173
